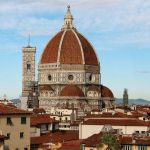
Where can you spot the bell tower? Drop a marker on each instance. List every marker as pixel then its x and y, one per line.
pixel 28 68
pixel 125 97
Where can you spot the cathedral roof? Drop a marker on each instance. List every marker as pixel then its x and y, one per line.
pixel 72 90
pixel 69 46
pixel 45 87
pixel 106 92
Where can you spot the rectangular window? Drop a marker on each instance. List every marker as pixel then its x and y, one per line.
pixel 28 66
pixel 142 147
pixel 25 148
pixel 9 121
pixel 66 118
pixel 6 147
pixel 8 136
pixel 21 135
pixel 23 120
pixel 127 147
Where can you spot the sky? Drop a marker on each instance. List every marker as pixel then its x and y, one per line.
pixel 118 29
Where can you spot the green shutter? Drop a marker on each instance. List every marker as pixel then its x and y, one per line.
pixel 82 147
pixel 138 147
pixel 130 147
pixel 124 147
pixel 145 148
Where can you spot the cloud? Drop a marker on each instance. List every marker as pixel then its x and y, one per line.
pixel 122 18
pixel 38 26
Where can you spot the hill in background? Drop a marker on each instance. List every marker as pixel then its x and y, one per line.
pixel 134 101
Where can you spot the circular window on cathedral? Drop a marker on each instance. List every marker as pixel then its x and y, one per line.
pixel 49 77
pixel 70 77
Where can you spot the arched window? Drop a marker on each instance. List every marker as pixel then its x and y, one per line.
pixel 28 66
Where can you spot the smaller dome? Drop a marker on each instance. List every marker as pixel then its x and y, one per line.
pixel 45 87
pixel 72 90
pixel 106 92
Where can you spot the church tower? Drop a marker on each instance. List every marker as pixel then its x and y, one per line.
pixel 28 68
pixel 125 97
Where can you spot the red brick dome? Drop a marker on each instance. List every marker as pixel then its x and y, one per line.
pixel 45 87
pixel 69 47
pixel 106 92
pixel 72 90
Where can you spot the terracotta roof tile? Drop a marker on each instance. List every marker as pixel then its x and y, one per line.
pixel 106 92
pixel 74 49
pixel 124 139
pixel 93 140
pixel 45 87
pixel 109 115
pixel 143 141
pixel 57 137
pixel 38 110
pixel 71 144
pixel 41 119
pixel 70 50
pixel 116 122
pixel 72 90
pixel 89 54
pixel 50 52
pixel 9 110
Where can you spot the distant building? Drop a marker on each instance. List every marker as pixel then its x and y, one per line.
pixel 5 100
pixel 125 98
pixel 55 141
pixel 15 125
pixel 126 142
pixel 126 123
pixel 64 116
pixel 42 124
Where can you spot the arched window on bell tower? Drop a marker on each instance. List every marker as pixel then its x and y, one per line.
pixel 28 67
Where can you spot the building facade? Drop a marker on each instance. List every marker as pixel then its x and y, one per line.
pixel 15 125
pixel 68 72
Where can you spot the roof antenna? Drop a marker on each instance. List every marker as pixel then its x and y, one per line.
pixel 29 40
pixel 68 3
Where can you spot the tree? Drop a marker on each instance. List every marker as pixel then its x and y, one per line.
pixel 109 140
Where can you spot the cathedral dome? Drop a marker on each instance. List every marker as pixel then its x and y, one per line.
pixel 69 47
pixel 71 91
pixel 106 92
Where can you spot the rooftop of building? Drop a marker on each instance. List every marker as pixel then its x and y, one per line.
pixel 95 139
pixel 12 110
pixel 58 137
pixel 38 119
pixel 116 122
